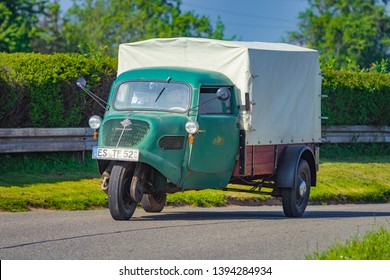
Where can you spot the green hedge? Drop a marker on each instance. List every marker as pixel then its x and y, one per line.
pixel 38 90
pixel 356 98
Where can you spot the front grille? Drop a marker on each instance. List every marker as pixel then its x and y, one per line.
pixel 132 135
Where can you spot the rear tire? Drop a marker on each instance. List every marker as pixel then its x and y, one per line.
pixel 120 203
pixel 153 202
pixel 295 199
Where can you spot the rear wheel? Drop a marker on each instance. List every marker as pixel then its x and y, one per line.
pixel 153 202
pixel 120 203
pixel 295 199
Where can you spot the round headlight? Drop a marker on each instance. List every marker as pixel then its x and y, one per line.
pixel 94 122
pixel 192 127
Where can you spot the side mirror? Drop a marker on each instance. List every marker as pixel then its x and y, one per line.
pixel 81 82
pixel 223 93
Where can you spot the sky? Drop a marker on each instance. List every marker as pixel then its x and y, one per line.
pixel 248 20
pixel 251 20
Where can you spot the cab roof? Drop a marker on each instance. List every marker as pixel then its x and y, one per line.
pixel 192 76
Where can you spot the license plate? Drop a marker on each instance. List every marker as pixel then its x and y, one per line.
pixel 115 153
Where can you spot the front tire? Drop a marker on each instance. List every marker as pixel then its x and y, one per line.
pixel 120 203
pixel 295 199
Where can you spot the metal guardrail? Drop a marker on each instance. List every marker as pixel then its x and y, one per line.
pixel 19 140
pixel 356 134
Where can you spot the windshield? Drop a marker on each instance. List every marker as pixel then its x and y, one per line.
pixel 136 95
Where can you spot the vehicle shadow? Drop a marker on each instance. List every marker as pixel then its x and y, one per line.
pixel 211 215
pixel 203 215
pixel 345 214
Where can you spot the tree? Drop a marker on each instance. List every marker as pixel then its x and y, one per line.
pixel 90 25
pixel 106 23
pixel 18 20
pixel 350 32
pixel 50 38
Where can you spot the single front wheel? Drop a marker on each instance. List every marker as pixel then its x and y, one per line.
pixel 295 199
pixel 121 205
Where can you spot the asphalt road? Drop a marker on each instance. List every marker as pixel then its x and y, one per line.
pixel 185 233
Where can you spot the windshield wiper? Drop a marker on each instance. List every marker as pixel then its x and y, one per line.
pixel 165 86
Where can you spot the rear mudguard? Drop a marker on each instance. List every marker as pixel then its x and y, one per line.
pixel 288 165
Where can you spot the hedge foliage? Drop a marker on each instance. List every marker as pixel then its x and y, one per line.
pixel 38 90
pixel 356 98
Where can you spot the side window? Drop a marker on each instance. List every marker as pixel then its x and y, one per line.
pixel 123 96
pixel 210 104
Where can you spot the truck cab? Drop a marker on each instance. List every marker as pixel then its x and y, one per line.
pixel 163 126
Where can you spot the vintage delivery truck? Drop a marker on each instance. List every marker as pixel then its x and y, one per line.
pixel 192 114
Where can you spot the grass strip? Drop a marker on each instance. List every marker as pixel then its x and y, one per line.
pixel 374 245
pixel 67 195
pixel 351 182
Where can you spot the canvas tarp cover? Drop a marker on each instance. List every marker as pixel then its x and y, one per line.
pixel 283 81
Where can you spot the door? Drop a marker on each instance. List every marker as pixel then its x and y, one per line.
pixel 215 147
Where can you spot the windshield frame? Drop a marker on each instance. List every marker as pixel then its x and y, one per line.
pixel 164 85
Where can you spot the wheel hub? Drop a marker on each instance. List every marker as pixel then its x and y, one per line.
pixel 136 191
pixel 302 188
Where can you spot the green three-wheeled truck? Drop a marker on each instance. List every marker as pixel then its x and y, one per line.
pixel 191 114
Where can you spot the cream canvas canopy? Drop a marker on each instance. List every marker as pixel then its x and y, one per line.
pixel 283 81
